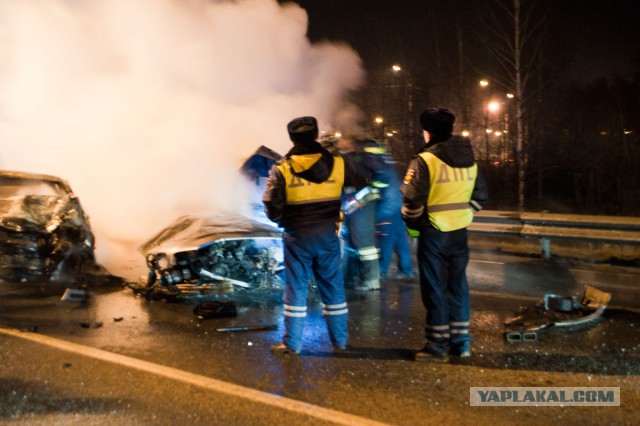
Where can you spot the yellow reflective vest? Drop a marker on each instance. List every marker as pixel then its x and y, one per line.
pixel 301 191
pixel 449 195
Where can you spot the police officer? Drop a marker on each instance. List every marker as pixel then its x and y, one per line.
pixel 442 189
pixel 391 233
pixel 361 266
pixel 303 195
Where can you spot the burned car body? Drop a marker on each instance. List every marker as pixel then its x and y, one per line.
pixel 214 254
pixel 44 233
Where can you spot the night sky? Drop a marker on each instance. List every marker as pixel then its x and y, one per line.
pixel 587 39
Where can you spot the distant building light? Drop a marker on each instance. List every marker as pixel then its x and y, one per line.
pixel 498 133
pixel 484 83
pixel 396 68
pixel 489 131
pixel 510 95
pixel 628 132
pixel 390 134
pixel 378 119
pixel 337 134
pixel 604 133
pixel 466 133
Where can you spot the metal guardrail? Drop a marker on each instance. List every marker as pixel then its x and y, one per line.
pixel 551 226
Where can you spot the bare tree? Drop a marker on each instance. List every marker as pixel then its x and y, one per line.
pixel 513 37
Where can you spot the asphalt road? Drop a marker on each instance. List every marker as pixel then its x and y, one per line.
pixel 122 359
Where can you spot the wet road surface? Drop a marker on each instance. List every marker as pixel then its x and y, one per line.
pixel 375 379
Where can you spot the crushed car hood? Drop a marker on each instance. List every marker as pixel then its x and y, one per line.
pixel 193 232
pixel 31 213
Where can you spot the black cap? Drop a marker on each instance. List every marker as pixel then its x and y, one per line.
pixel 303 130
pixel 437 121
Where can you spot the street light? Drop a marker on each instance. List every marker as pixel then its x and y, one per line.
pixel 378 120
pixel 493 106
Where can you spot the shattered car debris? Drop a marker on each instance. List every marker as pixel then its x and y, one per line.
pixel 215 254
pixel 556 311
pixel 44 233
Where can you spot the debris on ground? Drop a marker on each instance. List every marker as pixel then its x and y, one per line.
pixel 556 311
pixel 216 309
pixel 74 295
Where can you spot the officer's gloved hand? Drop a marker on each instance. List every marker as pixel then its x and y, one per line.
pixel 415 226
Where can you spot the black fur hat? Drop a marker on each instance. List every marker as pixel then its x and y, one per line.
pixel 303 130
pixel 437 121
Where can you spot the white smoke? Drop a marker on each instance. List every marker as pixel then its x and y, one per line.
pixel 149 107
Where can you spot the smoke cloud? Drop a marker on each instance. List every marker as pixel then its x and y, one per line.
pixel 149 107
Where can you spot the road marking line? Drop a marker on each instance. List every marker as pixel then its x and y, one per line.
pixel 486 261
pixel 208 383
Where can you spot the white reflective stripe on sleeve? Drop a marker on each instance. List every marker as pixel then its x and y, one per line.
pixel 412 213
pixel 459 331
pixel 459 324
pixel 368 253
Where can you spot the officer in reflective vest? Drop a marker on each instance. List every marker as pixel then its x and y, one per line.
pixel 303 196
pixel 442 189
pixel 360 262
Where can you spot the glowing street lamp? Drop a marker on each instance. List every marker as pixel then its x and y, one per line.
pixel 484 83
pixel 493 106
pixel 396 68
pixel 378 119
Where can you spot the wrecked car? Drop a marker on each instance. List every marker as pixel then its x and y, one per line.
pixel 214 255
pixel 44 233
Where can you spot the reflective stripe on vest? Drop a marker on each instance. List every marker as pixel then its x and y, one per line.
pixel 450 193
pixel 301 191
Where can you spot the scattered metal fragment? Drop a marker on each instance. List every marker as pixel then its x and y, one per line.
pixel 556 311
pixel 199 256
pixel 74 294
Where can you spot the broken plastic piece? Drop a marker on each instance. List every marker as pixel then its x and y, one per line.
pixel 74 294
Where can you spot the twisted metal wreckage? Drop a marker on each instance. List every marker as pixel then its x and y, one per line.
pixel 217 254
pixel 556 311
pixel 45 234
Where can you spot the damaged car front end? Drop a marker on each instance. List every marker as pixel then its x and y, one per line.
pixel 216 254
pixel 44 233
